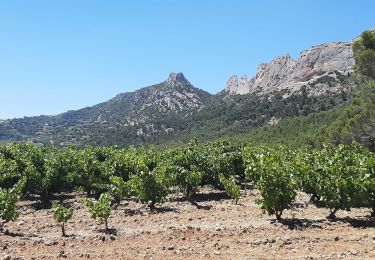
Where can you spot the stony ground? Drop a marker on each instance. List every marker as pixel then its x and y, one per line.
pixel 211 228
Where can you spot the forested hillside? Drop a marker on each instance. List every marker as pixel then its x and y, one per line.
pixel 173 112
pixel 351 121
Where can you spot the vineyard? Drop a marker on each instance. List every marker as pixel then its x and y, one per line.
pixel 341 178
pixel 102 180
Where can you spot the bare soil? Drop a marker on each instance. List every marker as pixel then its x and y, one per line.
pixel 211 228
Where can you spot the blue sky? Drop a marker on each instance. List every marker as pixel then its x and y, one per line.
pixel 67 54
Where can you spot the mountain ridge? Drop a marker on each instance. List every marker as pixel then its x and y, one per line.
pixel 174 110
pixel 284 73
pixel 175 95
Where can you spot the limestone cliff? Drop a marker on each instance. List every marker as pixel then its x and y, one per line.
pixel 323 68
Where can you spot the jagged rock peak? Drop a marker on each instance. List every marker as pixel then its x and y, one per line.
pixel 235 86
pixel 177 78
pixel 285 73
pixel 232 85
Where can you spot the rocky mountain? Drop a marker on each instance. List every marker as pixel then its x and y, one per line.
pixel 139 114
pixel 174 111
pixel 321 69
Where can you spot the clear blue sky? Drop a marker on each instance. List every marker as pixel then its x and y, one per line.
pixel 67 54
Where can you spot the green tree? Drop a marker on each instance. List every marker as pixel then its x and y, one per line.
pixel 272 170
pixel 147 188
pixel 61 215
pixel 101 208
pixel 364 54
pixel 339 184
pixel 8 200
pixel 231 188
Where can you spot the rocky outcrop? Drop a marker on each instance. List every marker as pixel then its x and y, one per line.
pixel 176 79
pixel 284 73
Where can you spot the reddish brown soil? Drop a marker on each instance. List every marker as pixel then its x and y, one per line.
pixel 212 228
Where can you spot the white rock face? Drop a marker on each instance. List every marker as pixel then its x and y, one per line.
pixel 284 73
pixel 177 78
pixel 232 85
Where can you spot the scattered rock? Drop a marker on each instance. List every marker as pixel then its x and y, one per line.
pixel 61 254
pixel 50 243
pixel 287 242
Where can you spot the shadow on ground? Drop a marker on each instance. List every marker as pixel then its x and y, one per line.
pixel 303 224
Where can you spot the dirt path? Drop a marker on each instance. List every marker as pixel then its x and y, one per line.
pixel 213 228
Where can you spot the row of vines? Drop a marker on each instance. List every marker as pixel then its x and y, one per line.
pixel 340 177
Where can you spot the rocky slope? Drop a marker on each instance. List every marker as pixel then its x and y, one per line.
pixel 211 228
pixel 323 68
pixel 137 113
pixel 174 111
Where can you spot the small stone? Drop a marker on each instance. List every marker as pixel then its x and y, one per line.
pixel 112 238
pixel 287 242
pixel 50 243
pixel 61 254
pixel 20 223
pixel 102 238
pixel 171 248
pixel 190 219
pixel 337 238
pixel 256 242
pixel 272 240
